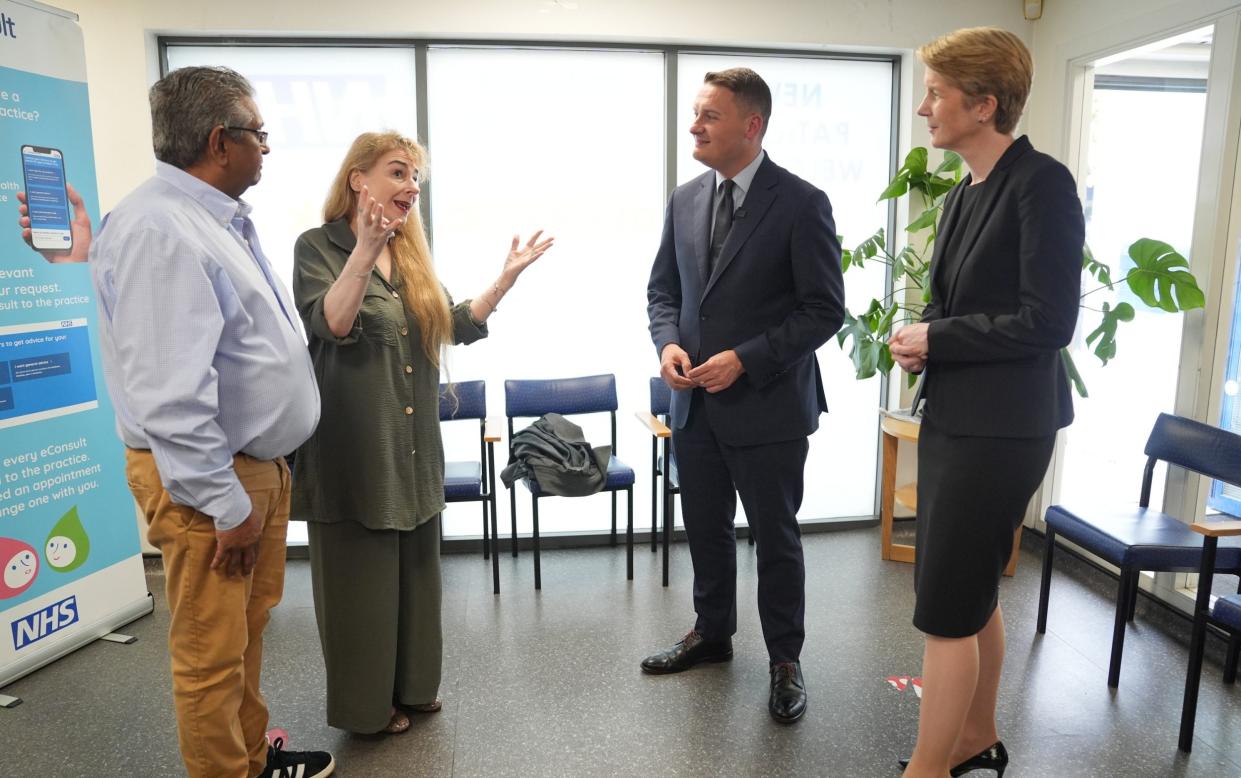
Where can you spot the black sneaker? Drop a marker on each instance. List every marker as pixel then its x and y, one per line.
pixel 296 764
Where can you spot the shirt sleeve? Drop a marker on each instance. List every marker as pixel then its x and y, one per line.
pixel 168 314
pixel 313 276
pixel 464 329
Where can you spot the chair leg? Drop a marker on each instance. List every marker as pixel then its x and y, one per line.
pixel 1133 595
pixel 1230 661
pixel 614 518
pixel 629 536
pixel 1127 582
pixel 670 507
pixel 1193 674
pixel 1044 589
pixel 486 534
pixel 654 494
pixel 495 546
pixel 538 570
pixel 512 512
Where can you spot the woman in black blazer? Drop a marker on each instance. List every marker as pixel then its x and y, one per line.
pixel 1005 286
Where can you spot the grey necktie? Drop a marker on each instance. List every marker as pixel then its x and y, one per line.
pixel 723 223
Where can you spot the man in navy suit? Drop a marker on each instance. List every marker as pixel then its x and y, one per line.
pixel 746 285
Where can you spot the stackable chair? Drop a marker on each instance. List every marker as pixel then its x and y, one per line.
pixel 1137 539
pixel 474 480
pixel 568 397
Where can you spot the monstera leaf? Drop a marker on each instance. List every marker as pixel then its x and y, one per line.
pixel 1105 333
pixel 1159 280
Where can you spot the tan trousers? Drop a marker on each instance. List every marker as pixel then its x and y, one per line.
pixel 215 638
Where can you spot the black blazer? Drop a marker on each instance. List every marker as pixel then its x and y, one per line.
pixel 998 322
pixel 776 295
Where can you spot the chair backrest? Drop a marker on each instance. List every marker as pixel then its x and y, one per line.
pixel 565 396
pixel 468 400
pixel 661 397
pixel 1202 448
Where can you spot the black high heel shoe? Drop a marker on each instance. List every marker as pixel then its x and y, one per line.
pixel 994 757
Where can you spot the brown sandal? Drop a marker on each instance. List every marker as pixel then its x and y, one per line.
pixel 425 707
pixel 397 724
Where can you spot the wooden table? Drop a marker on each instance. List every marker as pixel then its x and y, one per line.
pixel 897 427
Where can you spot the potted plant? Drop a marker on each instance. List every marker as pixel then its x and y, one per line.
pixel 1160 277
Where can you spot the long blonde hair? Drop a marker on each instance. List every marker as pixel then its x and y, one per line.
pixel 422 291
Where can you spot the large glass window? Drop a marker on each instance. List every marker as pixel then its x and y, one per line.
pixel 573 141
pixel 1142 181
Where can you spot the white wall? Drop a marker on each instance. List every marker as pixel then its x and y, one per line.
pixel 121 59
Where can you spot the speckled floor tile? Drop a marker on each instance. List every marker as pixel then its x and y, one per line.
pixel 547 683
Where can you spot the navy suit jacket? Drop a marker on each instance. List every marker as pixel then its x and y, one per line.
pixel 1000 318
pixel 776 295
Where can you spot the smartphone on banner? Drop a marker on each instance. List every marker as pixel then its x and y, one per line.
pixel 47 198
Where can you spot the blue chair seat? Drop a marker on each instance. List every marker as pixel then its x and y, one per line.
pixel 462 481
pixel 620 475
pixel 1140 537
pixel 1227 611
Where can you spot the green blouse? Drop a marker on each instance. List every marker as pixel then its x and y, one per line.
pixel 377 457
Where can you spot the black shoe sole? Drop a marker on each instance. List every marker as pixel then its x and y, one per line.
pixel 781 720
pixel 670 670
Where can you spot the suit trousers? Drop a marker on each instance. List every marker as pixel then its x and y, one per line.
pixel 215 637
pixel 769 478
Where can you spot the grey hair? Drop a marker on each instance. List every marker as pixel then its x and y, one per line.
pixel 188 103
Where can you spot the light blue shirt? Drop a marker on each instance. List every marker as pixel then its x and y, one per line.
pixel 200 354
pixel 741 184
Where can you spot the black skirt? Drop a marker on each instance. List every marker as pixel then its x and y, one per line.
pixel 972 495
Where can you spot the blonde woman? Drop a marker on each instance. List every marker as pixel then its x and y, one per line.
pixel 1005 280
pixel 370 482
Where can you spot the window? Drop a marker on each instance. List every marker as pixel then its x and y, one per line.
pixel 1103 454
pixel 575 141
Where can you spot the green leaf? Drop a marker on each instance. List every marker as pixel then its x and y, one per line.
pixel 1095 268
pixel 915 161
pixel 898 187
pixel 1158 282
pixel 1105 333
pixel 1075 377
pixel 869 351
pixel 952 162
pixel 926 219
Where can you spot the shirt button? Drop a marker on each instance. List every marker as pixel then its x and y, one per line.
pixel 404 331
pixel 409 369
pixel 394 294
pixel 409 411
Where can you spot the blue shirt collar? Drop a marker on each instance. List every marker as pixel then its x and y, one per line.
pixel 745 178
pixel 221 207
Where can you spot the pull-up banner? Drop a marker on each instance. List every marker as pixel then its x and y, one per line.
pixel 72 566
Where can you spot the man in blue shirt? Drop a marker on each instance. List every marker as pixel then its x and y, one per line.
pixel 212 384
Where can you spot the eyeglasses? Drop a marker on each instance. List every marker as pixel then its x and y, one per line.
pixel 260 134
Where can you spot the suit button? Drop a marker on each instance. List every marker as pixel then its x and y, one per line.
pixel 703 317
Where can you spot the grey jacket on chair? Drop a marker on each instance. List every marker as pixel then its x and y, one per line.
pixel 553 453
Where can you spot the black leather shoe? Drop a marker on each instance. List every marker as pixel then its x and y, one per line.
pixel 994 757
pixel 688 651
pixel 787 702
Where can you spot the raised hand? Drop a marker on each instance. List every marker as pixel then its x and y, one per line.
pixel 79 229
pixel 521 257
pixel 373 229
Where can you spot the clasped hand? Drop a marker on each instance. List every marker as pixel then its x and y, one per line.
pixel 715 375
pixel 910 346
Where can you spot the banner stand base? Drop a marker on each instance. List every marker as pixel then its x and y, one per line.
pixel 116 637
pixel 9 702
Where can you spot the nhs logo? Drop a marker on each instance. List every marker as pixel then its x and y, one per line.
pixel 41 623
